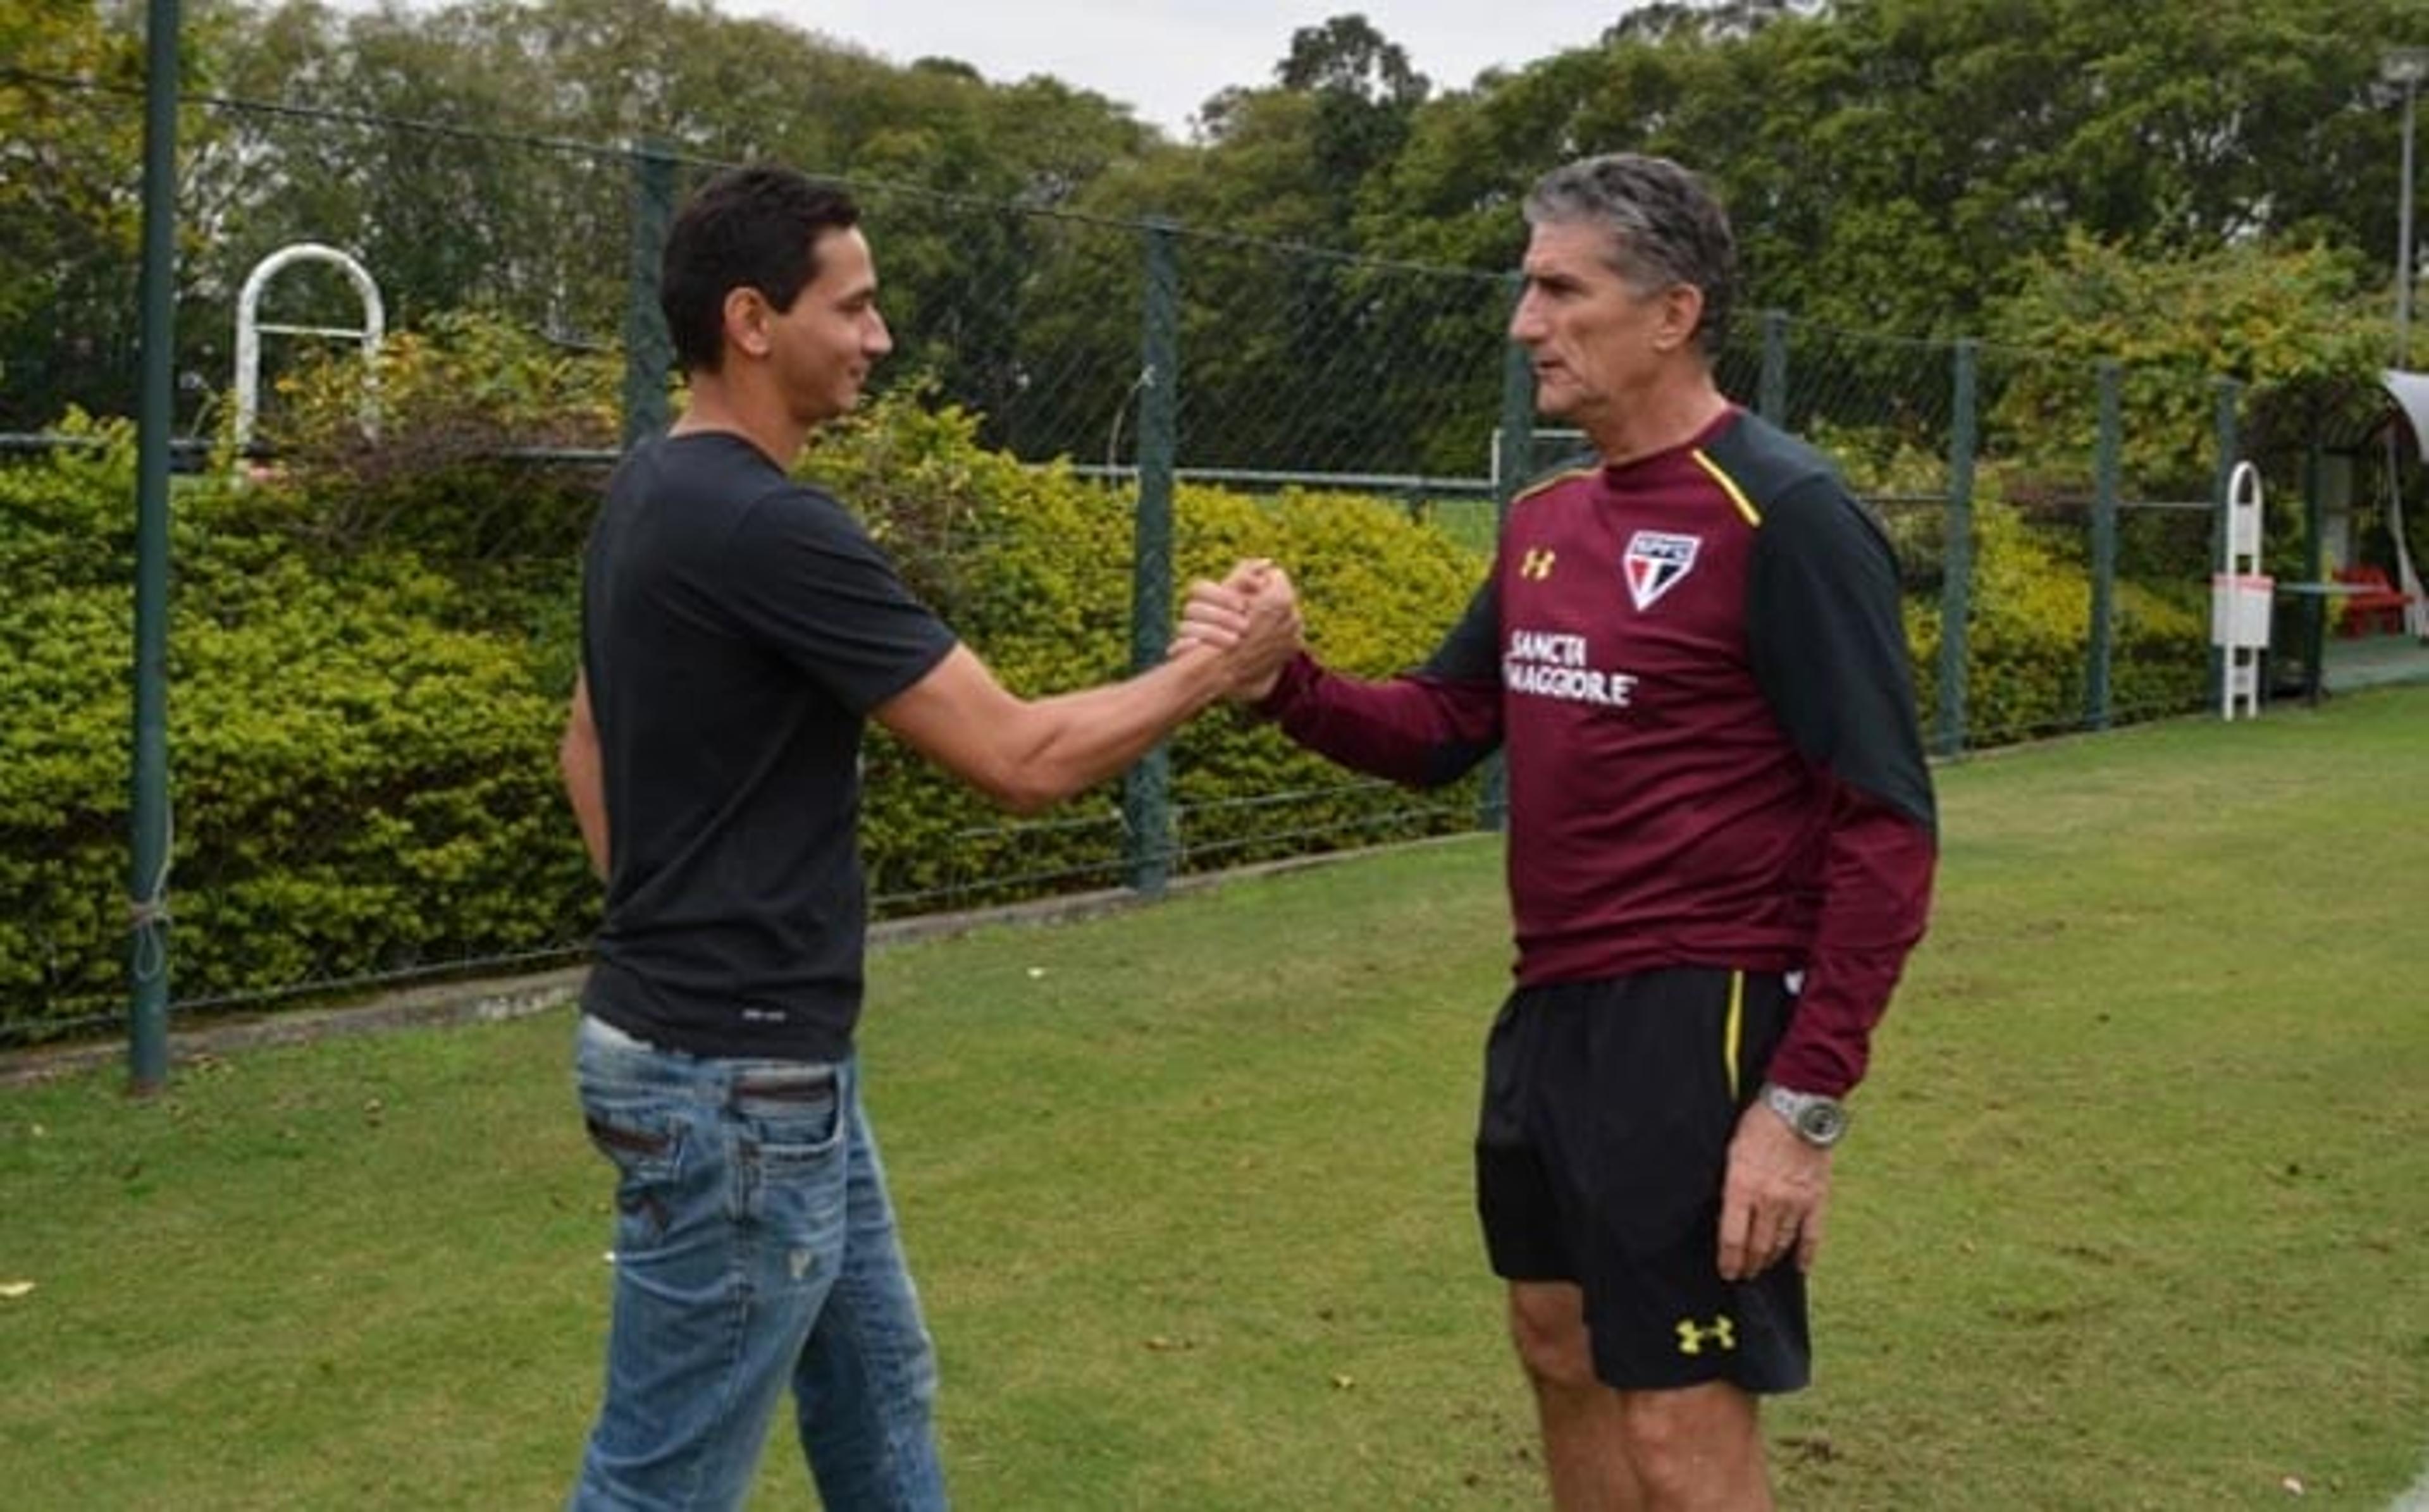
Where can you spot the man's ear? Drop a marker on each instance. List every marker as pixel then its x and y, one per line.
pixel 1682 310
pixel 747 319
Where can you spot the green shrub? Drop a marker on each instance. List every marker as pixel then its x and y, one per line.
pixel 1032 567
pixel 368 677
pixel 2028 639
pixel 365 702
pixel 457 463
pixel 2027 635
pixel 359 785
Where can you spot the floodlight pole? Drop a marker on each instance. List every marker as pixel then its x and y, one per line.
pixel 2404 68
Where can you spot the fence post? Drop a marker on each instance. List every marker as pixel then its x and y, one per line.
pixel 1513 462
pixel 1146 808
pixel 2106 468
pixel 2228 397
pixel 1956 555
pixel 647 348
pixel 1771 397
pixel 147 1008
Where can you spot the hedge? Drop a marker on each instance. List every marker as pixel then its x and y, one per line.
pixel 363 725
pixel 369 662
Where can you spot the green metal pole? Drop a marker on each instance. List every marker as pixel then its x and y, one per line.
pixel 1957 577
pixel 1147 807
pixel 1771 400
pixel 2106 468
pixel 148 875
pixel 649 349
pixel 2227 400
pixel 1512 465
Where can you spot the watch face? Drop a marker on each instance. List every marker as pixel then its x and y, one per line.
pixel 1817 1120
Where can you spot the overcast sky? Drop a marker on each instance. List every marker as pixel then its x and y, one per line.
pixel 1164 57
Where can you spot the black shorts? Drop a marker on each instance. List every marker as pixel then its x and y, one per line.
pixel 1600 1156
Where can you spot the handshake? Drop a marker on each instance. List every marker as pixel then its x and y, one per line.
pixel 1250 620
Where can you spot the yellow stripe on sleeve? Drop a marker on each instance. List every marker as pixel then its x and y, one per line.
pixel 1553 482
pixel 1729 486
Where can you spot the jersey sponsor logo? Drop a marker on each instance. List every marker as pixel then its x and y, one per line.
pixel 1536 566
pixel 1721 1334
pixel 1557 665
pixel 1657 561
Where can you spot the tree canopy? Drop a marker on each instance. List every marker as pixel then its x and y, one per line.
pixel 1895 166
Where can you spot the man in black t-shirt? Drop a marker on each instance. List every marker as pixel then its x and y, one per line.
pixel 1721 844
pixel 740 627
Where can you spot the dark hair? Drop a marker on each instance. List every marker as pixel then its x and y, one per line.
pixel 747 228
pixel 1665 226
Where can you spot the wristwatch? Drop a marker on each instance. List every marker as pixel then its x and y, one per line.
pixel 1819 1121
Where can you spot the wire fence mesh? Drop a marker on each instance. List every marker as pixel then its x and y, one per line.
pixel 333 819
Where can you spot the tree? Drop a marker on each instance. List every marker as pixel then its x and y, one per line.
pixel 1290 350
pixel 476 156
pixel 2291 326
pixel 1667 19
pixel 1893 164
pixel 71 122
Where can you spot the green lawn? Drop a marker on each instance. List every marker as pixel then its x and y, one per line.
pixel 2132 1216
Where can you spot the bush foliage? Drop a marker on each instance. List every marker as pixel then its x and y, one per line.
pixel 357 777
pixel 1032 567
pixel 2029 603
pixel 369 667
pixel 372 645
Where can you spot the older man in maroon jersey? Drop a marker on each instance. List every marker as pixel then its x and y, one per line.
pixel 1721 839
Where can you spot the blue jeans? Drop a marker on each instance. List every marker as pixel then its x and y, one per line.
pixel 754 1246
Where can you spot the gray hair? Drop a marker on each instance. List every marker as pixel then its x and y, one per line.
pixel 1665 226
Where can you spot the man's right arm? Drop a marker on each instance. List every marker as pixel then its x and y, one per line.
pixel 1026 754
pixel 1423 728
pixel 577 760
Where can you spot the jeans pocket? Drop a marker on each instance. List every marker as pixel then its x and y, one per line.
pixel 792 1117
pixel 645 1144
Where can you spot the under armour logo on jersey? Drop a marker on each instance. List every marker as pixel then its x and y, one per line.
pixel 1722 1334
pixel 1657 561
pixel 1536 564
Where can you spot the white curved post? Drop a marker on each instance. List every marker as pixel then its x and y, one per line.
pixel 2240 597
pixel 249 329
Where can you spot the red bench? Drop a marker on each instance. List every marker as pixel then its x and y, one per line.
pixel 2379 600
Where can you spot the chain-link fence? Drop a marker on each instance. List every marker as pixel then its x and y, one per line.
pixel 2054 523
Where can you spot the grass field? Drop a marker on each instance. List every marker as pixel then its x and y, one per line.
pixel 2132 1215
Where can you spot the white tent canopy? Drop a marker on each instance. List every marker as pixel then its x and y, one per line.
pixel 2411 392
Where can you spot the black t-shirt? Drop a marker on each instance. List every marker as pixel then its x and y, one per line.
pixel 736 628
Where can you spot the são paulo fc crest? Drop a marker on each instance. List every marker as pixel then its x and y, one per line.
pixel 1656 562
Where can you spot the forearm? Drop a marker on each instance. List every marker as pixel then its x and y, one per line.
pixel 579 764
pixel 1876 893
pixel 593 818
pixel 1064 745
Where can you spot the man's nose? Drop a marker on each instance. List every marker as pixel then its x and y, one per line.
pixel 1526 323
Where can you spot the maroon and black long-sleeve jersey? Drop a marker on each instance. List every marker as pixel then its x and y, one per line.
pixel 1696 666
